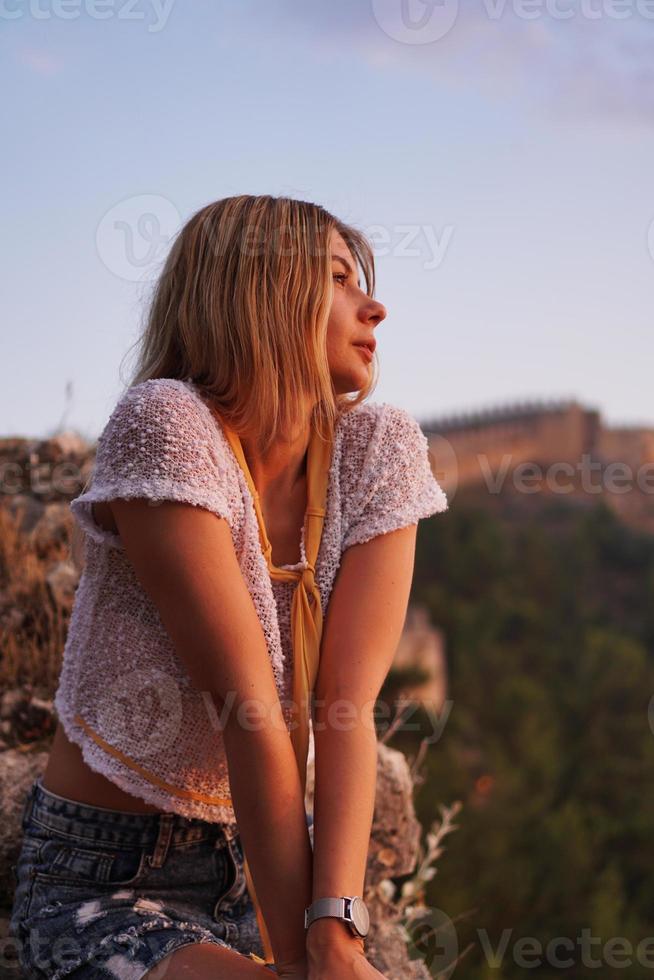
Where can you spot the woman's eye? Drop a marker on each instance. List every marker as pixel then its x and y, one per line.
pixel 341 275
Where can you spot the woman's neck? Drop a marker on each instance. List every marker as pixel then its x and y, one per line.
pixel 283 466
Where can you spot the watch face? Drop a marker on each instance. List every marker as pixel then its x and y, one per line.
pixel 359 914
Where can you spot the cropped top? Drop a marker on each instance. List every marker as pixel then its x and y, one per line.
pixel 124 695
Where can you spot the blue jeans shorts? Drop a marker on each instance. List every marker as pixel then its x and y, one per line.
pixel 104 893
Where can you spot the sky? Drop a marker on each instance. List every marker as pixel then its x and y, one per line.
pixel 499 153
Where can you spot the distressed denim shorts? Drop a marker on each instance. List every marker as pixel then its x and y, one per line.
pixel 103 893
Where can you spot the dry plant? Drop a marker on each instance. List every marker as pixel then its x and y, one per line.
pixel 33 627
pixel 411 901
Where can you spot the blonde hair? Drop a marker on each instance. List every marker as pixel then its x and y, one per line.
pixel 241 308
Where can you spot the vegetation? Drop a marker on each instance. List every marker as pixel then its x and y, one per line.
pixel 548 743
pixel 33 625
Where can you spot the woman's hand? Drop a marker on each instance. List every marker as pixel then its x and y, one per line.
pixel 293 971
pixel 334 953
pixel 342 963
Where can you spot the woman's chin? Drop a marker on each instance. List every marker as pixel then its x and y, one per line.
pixel 351 383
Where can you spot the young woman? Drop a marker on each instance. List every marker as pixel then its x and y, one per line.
pixel 248 553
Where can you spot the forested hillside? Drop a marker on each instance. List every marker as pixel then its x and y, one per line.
pixel 549 743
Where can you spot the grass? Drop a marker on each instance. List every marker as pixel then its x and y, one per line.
pixel 33 626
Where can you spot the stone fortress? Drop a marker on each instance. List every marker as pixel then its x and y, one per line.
pixel 554 447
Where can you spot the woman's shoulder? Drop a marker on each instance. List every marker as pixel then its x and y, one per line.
pixel 386 473
pixel 162 426
pixel 367 426
pixel 164 395
pixel 163 414
pixel 381 442
pixel 362 434
pixel 162 443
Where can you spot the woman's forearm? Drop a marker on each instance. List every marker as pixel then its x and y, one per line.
pixel 344 798
pixel 269 807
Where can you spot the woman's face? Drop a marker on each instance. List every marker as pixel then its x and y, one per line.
pixel 352 321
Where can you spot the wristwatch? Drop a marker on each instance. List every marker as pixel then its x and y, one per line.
pixel 350 908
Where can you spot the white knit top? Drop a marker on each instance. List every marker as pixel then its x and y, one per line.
pixel 157 736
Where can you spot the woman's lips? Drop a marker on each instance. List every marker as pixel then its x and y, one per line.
pixel 365 350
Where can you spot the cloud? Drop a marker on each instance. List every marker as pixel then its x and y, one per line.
pixel 39 61
pixel 574 58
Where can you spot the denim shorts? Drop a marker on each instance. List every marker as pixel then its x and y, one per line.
pixel 105 893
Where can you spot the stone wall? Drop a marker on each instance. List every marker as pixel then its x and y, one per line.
pixel 570 444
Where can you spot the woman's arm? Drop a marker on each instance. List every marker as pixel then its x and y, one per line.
pixel 364 622
pixel 185 560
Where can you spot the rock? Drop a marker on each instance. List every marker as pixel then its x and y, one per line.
pixel 70 442
pixel 422 648
pixel 62 580
pixel 393 849
pixel 46 469
pixel 26 510
pixel 386 946
pixel 53 527
pixel 17 770
pixel 10 701
pixel 395 834
pixel 11 619
pixel 25 717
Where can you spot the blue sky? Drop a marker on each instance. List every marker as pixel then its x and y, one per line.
pixel 502 156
